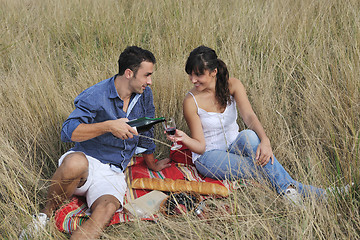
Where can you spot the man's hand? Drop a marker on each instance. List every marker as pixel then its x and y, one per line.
pixel 156 166
pixel 119 128
pixel 161 164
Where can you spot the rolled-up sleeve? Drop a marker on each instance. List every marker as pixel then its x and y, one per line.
pixel 81 114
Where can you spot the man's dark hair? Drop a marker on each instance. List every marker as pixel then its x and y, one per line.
pixel 132 57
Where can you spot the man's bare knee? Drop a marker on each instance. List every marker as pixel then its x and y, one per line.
pixel 102 211
pixel 106 204
pixel 74 165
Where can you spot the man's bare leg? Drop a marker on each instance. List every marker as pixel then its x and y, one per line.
pixel 72 173
pixel 102 210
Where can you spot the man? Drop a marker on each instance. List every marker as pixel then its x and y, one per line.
pixel 105 143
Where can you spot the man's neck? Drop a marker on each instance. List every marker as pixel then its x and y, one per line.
pixel 123 90
pixel 122 87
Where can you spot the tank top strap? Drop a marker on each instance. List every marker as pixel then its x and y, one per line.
pixel 194 99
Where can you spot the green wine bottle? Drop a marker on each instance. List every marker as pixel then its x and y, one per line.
pixel 145 123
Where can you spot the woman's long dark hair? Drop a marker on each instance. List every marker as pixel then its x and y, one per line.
pixel 204 58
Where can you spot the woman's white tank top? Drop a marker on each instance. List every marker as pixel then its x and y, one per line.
pixel 220 129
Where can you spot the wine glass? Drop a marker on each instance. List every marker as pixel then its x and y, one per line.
pixel 170 128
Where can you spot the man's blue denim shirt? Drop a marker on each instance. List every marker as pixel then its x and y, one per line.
pixel 99 103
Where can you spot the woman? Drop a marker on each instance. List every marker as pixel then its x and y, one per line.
pixel 219 150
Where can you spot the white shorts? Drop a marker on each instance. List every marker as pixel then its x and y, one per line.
pixel 100 181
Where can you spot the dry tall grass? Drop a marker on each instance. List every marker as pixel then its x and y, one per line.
pixel 298 59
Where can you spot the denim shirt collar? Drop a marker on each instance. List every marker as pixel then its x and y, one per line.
pixel 114 94
pixel 112 90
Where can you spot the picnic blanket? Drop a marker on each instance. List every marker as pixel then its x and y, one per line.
pixel 73 214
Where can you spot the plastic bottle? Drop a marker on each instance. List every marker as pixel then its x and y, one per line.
pixel 145 123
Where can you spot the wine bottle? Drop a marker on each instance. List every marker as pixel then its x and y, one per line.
pixel 145 123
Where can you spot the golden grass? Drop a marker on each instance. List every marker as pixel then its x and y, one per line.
pixel 299 61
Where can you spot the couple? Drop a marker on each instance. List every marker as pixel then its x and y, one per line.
pixel 105 143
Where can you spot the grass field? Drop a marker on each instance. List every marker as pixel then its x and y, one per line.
pixel 299 61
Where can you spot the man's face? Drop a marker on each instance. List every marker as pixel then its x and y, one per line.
pixel 142 79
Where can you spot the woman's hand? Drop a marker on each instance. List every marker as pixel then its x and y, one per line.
pixel 179 136
pixel 264 153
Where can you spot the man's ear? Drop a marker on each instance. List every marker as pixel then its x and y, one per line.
pixel 128 73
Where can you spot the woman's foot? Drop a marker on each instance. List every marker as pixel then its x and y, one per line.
pixel 293 196
pixel 340 190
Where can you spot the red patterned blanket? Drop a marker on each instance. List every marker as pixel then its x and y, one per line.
pixel 73 214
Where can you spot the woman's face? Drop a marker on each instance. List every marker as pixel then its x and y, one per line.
pixel 203 81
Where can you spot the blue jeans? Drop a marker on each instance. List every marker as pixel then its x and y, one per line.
pixel 239 162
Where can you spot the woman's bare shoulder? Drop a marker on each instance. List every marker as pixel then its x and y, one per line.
pixel 235 81
pixel 189 99
pixel 235 85
pixel 188 96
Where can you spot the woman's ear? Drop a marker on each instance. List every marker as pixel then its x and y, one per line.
pixel 213 73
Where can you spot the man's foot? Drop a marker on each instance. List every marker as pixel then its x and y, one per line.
pixel 38 223
pixel 293 196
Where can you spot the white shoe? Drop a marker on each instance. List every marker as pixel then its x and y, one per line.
pixel 293 196
pixel 340 190
pixel 38 223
